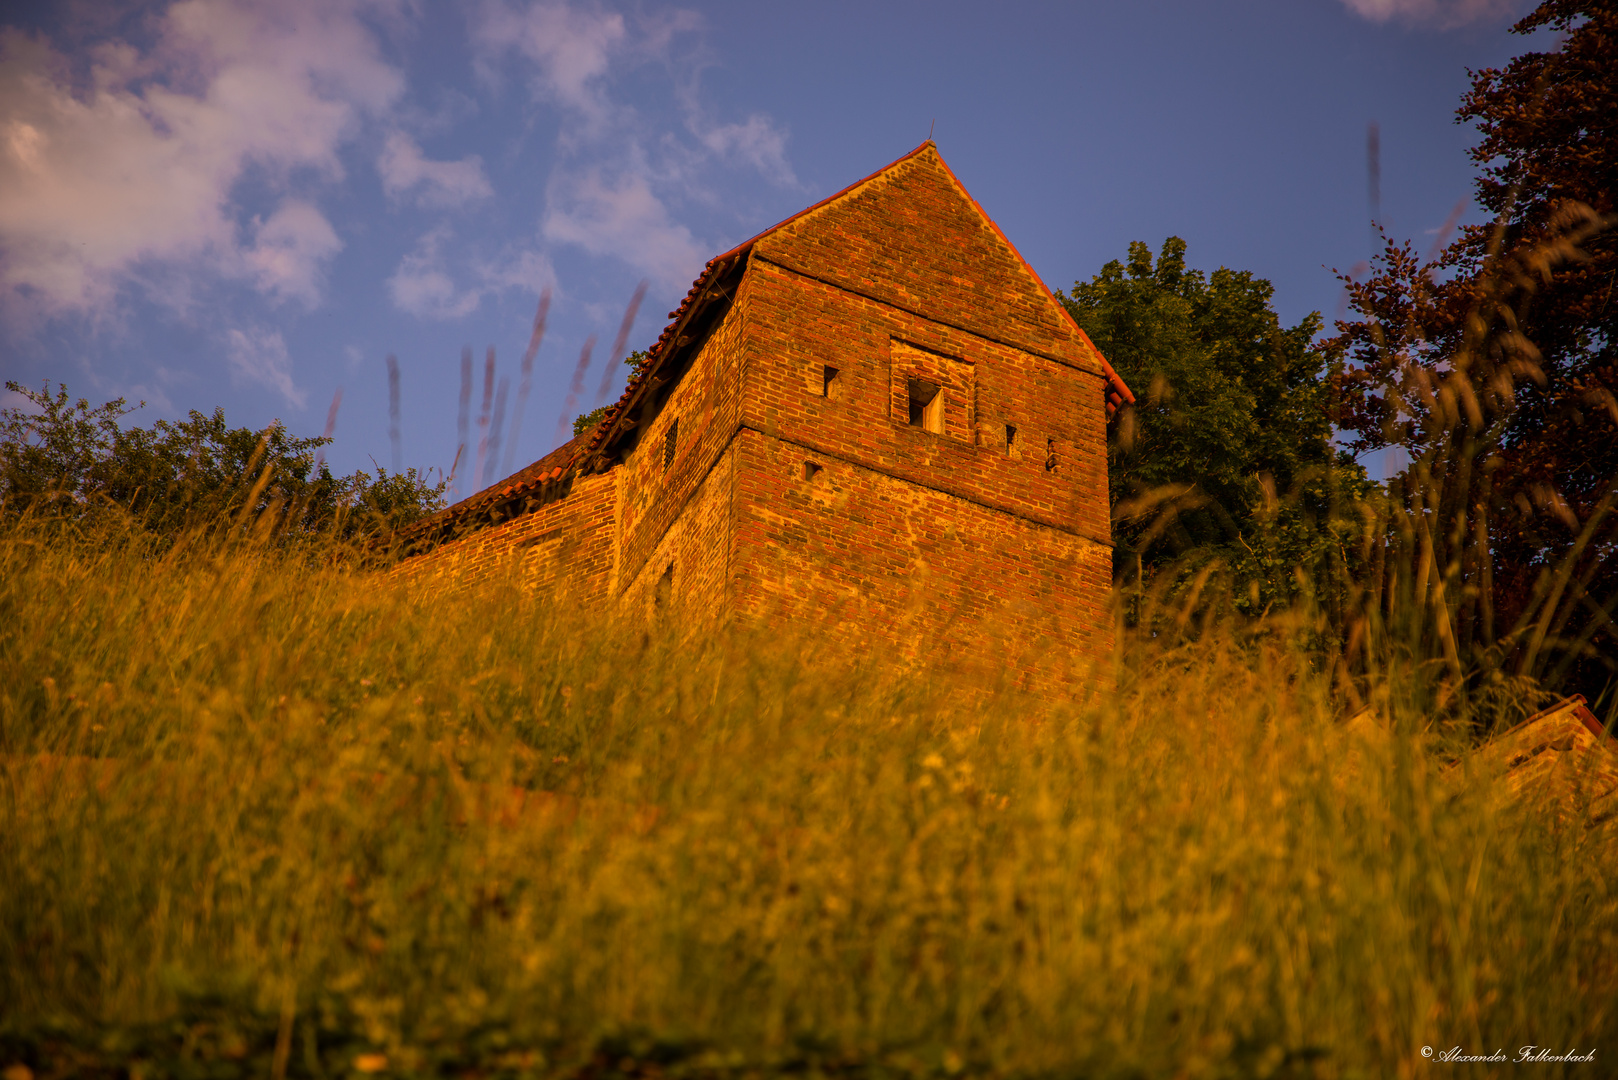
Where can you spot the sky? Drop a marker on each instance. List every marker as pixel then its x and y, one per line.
pixel 252 205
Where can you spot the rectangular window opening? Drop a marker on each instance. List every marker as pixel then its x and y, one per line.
pixel 1050 455
pixel 830 385
pixel 671 438
pixel 1011 437
pixel 926 406
pixel 810 470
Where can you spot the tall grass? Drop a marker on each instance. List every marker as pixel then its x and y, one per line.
pixel 267 819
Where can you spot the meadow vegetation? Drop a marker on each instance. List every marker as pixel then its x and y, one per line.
pixel 267 808
pixel 263 815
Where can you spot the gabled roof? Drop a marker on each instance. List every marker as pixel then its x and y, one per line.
pixel 581 454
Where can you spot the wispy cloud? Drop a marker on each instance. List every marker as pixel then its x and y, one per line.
pixel 1444 14
pixel 617 214
pixel 757 142
pixel 430 283
pixel 422 285
pixel 290 251
pixel 621 176
pixel 259 357
pixel 406 173
pixel 569 49
pixel 136 164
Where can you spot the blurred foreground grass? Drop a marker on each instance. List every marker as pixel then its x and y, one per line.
pixel 259 817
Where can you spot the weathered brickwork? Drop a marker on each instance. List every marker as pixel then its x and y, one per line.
pixel 933 577
pixel 1562 756
pixel 799 326
pixel 871 419
pixel 567 547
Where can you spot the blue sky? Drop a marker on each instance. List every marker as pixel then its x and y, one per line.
pixel 251 205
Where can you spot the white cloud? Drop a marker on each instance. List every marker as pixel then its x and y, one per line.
pixel 620 216
pixel 405 171
pixel 758 143
pixel 620 173
pixel 422 285
pixel 428 286
pixel 527 271
pixel 259 356
pixel 290 251
pixel 570 49
pixel 135 165
pixel 1445 14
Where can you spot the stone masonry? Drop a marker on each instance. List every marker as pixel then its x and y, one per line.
pixel 872 420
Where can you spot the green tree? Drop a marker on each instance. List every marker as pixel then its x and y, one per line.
pixel 68 459
pixel 1495 367
pixel 1228 454
pixel 635 361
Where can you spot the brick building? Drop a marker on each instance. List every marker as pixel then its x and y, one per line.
pixel 873 417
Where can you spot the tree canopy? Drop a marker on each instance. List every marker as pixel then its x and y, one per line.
pixel 68 459
pixel 1231 430
pixel 1494 364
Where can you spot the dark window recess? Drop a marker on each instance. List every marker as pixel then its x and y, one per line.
pixel 831 386
pixel 1011 437
pixel 671 439
pixel 926 405
pixel 810 470
pixel 1050 455
pixel 665 588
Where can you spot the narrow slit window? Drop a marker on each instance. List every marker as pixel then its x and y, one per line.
pixel 1050 455
pixel 671 439
pixel 926 406
pixel 831 385
pixel 1011 437
pixel 665 588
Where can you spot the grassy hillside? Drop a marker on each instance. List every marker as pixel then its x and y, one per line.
pixel 263 816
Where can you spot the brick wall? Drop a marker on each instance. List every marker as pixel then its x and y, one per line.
pixel 566 547
pixel 927 577
pixel 702 408
pixel 799 326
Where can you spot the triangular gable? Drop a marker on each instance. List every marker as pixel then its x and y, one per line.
pixel 912 235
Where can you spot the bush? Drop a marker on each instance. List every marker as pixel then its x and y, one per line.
pixel 68 460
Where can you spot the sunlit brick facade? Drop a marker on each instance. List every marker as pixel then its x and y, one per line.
pixel 871 420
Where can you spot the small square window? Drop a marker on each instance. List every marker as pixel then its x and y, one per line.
pixel 671 439
pixel 1011 438
pixel 810 470
pixel 831 383
pixel 926 406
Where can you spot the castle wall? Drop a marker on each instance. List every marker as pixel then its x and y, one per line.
pixel 566 548
pixel 703 410
pixel 1054 472
pixel 687 571
pixel 892 439
pixel 928 578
